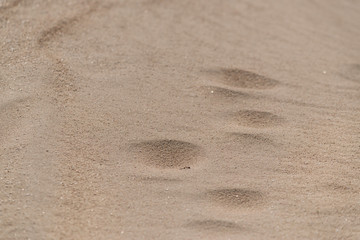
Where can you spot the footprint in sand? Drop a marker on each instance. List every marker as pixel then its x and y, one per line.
pixel 243 79
pixel 235 197
pixel 256 119
pixel 214 226
pixel 10 112
pixel 250 139
pixel 168 153
pixel 154 179
pixel 7 5
pixel 219 93
pixel 352 73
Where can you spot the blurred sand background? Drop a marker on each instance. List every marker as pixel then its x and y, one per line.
pixel 164 119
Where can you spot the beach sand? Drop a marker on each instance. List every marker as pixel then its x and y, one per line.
pixel 163 119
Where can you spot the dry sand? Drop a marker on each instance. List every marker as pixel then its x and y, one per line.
pixel 164 119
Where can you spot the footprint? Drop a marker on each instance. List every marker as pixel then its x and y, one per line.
pixel 13 107
pixel 10 114
pixel 154 179
pixel 341 188
pixel 244 79
pixel 235 197
pixel 218 93
pixel 168 153
pixel 3 84
pixel 214 225
pixel 247 139
pixel 352 73
pixel 9 4
pixel 257 119
pixel 63 26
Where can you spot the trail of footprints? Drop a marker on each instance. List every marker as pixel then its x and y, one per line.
pixel 174 154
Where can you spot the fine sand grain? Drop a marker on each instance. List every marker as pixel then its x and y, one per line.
pixel 163 119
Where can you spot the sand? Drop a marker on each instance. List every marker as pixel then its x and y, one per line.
pixel 163 119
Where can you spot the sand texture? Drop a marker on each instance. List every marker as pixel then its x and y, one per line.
pixel 186 119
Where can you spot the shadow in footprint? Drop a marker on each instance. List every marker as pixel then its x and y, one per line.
pixel 257 119
pixel 243 79
pixel 168 153
pixel 235 197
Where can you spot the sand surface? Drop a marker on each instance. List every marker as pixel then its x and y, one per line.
pixel 169 119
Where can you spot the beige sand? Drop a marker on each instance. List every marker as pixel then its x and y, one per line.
pixel 164 119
